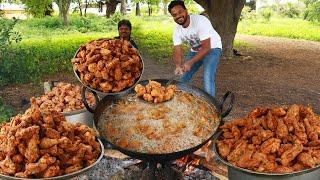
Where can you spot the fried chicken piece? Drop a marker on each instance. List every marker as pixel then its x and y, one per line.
pixel 7 166
pixel 271 121
pixel 106 86
pixel 18 158
pixel 40 166
pixel 279 112
pixel 264 165
pixel 283 148
pixel 283 169
pixel 32 150
pixel 282 130
pixel 236 122
pixel 238 151
pixel 52 133
pixel 265 134
pixel 306 159
pixel 298 167
pixel 148 97
pixel 300 132
pixel 73 168
pixel 20 175
pixel 257 112
pixel 270 146
pixel 291 117
pixel 311 132
pixel 52 171
pixel 245 161
pixel 46 143
pixel 291 154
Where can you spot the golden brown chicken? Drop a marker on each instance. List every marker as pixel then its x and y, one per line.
pixel 104 64
pixel 40 144
pixel 277 140
pixel 64 97
pixel 154 92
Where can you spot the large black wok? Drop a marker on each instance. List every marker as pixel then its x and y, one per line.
pixel 109 100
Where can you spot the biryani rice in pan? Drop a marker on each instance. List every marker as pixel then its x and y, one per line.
pixel 137 125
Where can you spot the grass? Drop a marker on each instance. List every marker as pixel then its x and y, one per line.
pixel 281 27
pixel 5 112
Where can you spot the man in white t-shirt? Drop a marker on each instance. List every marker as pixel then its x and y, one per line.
pixel 205 42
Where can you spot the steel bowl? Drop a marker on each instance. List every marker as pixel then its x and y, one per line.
pixel 82 116
pixel 66 176
pixel 238 173
pixel 103 94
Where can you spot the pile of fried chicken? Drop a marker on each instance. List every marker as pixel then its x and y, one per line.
pixel 108 65
pixel 273 140
pixel 41 144
pixel 154 92
pixel 64 97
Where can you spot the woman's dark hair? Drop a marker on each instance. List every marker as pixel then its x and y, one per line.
pixel 124 22
pixel 176 3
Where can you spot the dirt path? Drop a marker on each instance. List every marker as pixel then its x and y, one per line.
pixel 275 71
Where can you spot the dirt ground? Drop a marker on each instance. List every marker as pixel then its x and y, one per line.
pixel 274 71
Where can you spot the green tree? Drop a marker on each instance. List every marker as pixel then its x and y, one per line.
pixel 224 16
pixel 138 11
pixel 312 12
pixel 37 8
pixel 150 4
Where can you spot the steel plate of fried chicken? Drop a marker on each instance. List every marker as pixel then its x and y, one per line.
pixel 273 140
pixel 64 97
pixel 108 65
pixel 41 144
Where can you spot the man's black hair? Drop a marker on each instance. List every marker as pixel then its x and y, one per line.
pixel 124 22
pixel 176 3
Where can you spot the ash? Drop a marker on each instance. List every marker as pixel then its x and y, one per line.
pixel 105 169
pixel 199 174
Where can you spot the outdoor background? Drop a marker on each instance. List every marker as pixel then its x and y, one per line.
pixel 36 45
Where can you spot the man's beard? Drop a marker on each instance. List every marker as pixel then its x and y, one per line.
pixel 183 22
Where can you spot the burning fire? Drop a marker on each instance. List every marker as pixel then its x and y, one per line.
pixel 202 158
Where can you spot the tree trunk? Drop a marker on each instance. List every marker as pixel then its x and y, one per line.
pixel 149 9
pixel 80 10
pixel 85 7
pixel 224 16
pixel 138 9
pixel 111 7
pixel 123 7
pixel 64 6
pixel 165 9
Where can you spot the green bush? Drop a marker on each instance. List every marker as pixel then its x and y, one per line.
pixel 2 13
pixel 290 10
pixel 5 112
pixel 47 22
pixel 31 60
pixel 248 14
pixel 313 12
pixel 266 14
pixel 7 34
pixel 91 23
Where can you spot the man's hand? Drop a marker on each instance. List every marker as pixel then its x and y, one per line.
pixel 178 71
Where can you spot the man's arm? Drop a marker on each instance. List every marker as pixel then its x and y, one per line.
pixel 177 59
pixel 177 55
pixel 204 50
